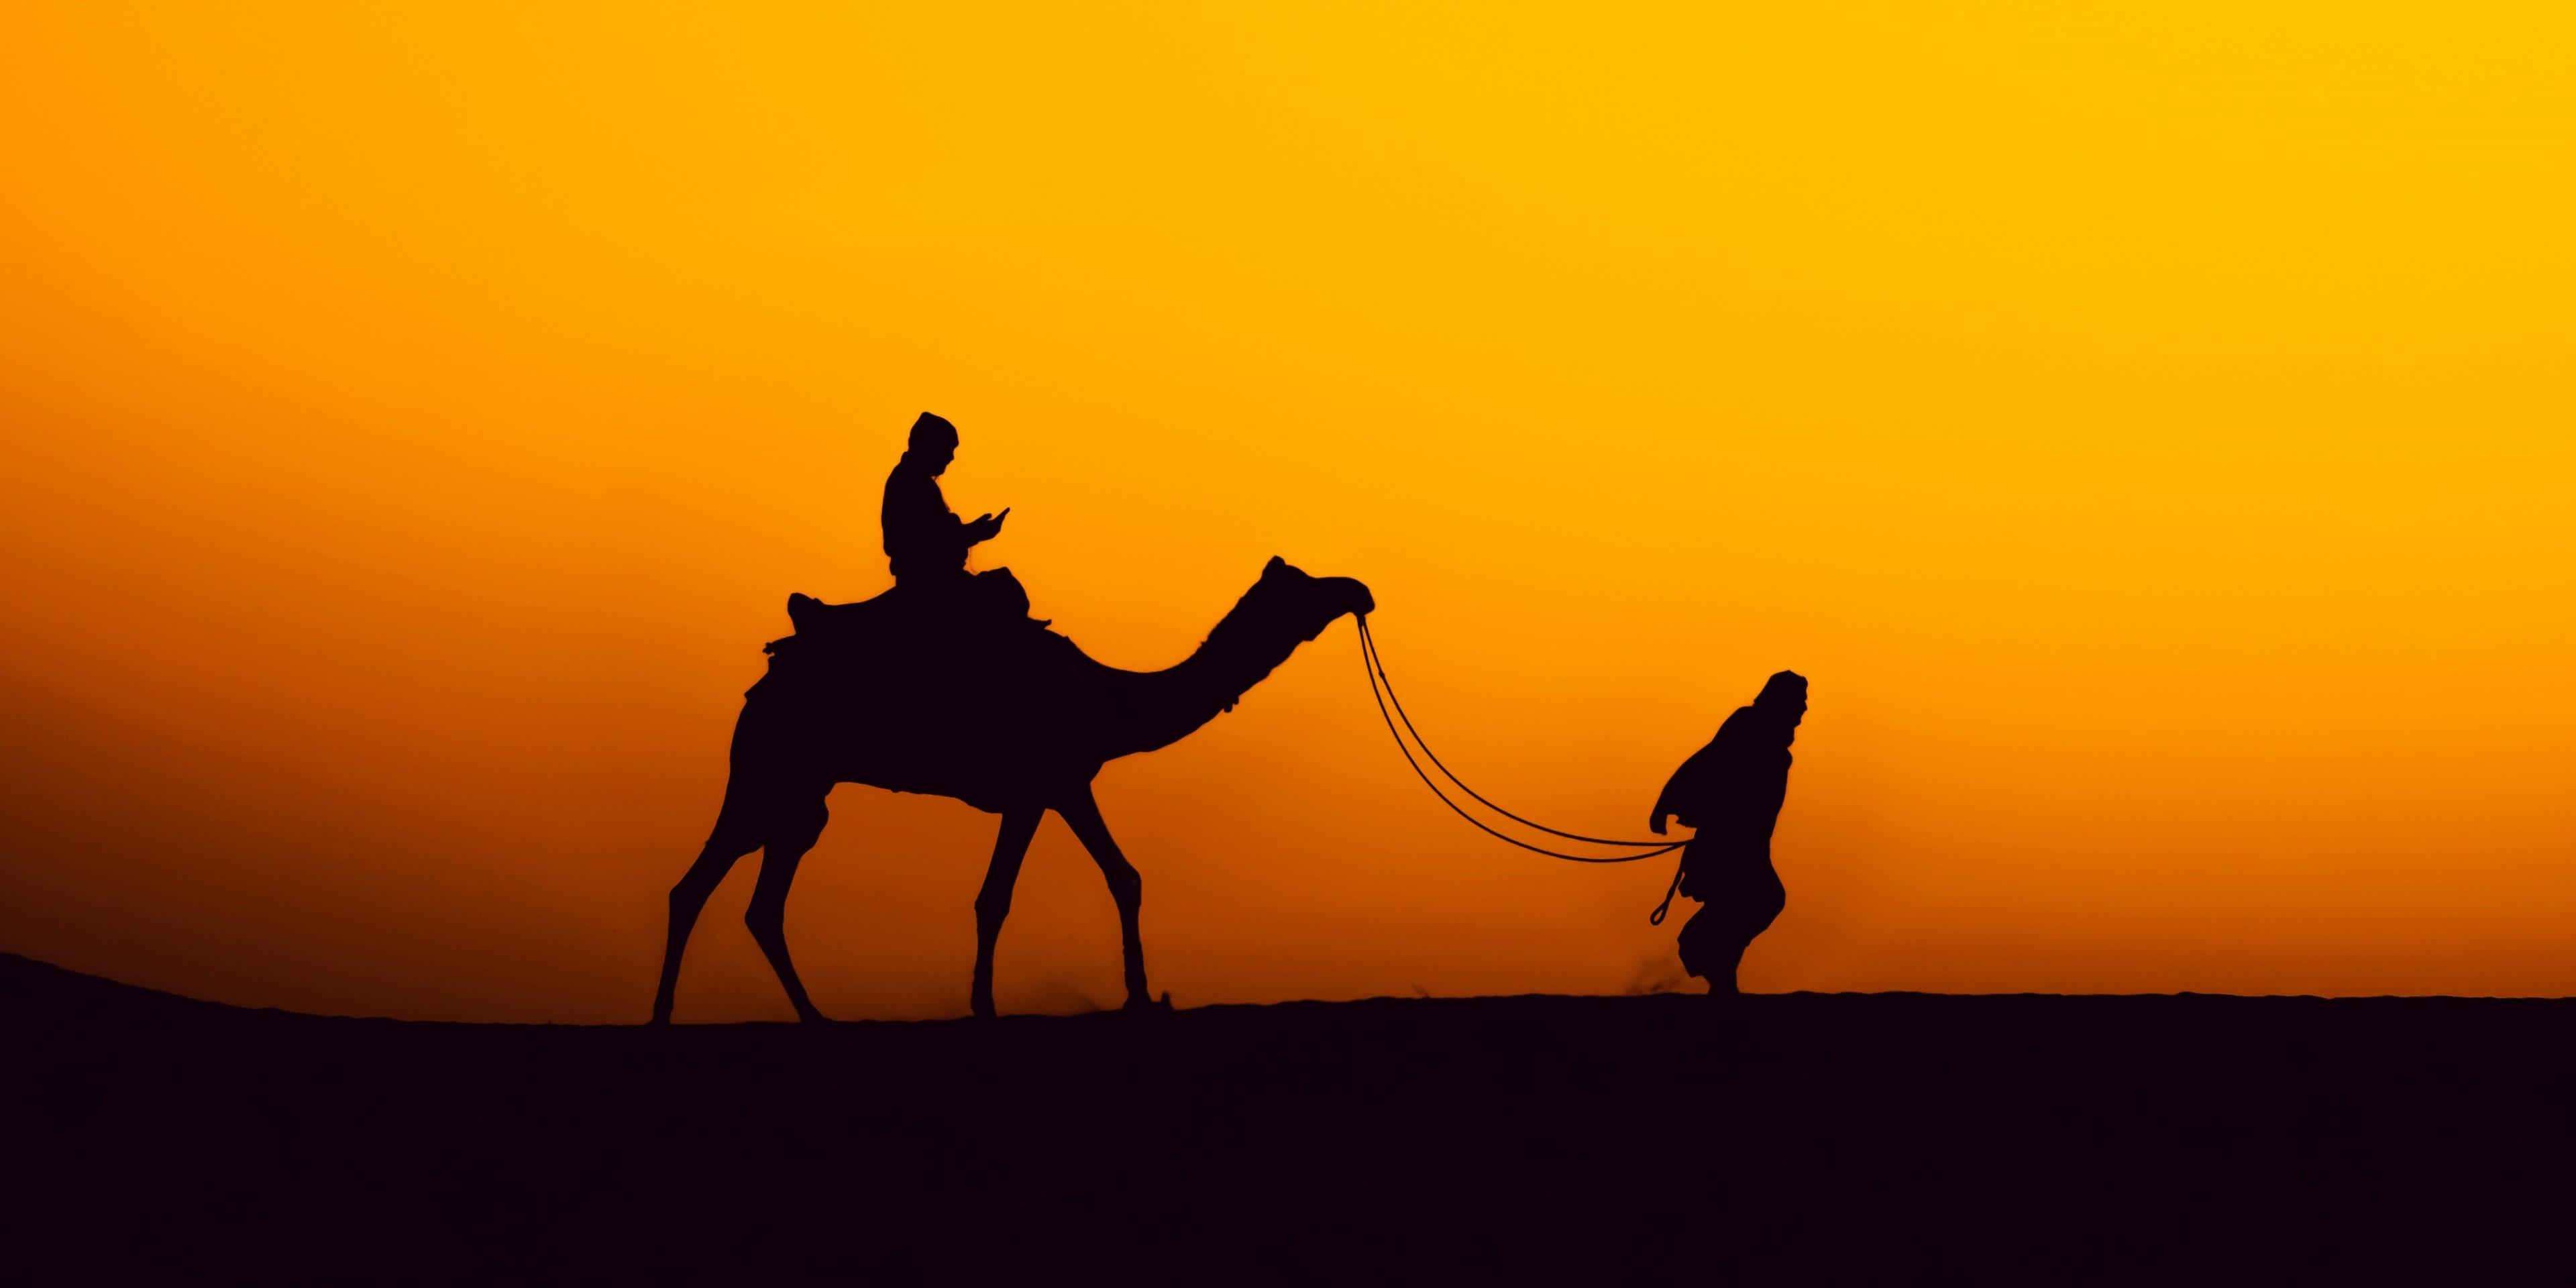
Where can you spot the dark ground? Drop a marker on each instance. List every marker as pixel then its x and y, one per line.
pixel 1805 1137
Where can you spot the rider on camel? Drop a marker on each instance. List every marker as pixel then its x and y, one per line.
pixel 925 543
pixel 926 547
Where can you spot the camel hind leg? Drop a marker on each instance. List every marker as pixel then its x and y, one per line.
pixel 735 835
pixel 796 829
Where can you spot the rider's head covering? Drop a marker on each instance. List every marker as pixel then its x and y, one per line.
pixel 933 431
pixel 1787 686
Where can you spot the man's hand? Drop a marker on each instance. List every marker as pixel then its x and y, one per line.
pixel 986 527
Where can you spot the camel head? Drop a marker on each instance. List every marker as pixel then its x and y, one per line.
pixel 1303 604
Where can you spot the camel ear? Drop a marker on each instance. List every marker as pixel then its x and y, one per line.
pixel 1274 566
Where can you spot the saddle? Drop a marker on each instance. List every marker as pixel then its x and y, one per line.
pixel 973 612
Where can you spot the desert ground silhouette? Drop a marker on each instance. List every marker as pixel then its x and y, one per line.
pixel 1812 1137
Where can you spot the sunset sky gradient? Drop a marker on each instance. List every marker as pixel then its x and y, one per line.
pixel 2152 427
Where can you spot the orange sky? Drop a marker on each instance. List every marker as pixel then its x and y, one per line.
pixel 2148 425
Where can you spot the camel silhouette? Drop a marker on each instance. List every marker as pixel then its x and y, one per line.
pixel 1008 717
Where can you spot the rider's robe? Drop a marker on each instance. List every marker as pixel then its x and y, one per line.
pixel 924 539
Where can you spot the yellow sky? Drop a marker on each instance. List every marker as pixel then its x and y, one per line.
pixel 2148 425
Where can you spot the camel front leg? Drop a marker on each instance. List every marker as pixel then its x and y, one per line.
pixel 993 903
pixel 1126 886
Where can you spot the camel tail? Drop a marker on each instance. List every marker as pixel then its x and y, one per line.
pixel 750 783
pixel 737 829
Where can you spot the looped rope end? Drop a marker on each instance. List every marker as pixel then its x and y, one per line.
pixel 1656 918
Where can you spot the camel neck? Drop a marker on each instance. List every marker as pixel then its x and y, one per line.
pixel 1170 704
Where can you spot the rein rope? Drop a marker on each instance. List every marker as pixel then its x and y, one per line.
pixel 1390 710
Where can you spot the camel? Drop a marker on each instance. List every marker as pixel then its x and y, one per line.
pixel 1014 728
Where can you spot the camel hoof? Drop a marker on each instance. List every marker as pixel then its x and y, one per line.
pixel 1140 1004
pixel 814 1017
